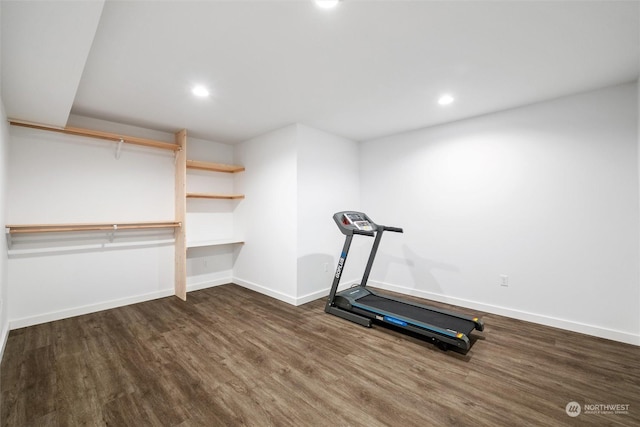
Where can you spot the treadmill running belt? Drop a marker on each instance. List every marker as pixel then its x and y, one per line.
pixel 419 314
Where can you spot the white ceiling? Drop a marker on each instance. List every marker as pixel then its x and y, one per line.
pixel 363 70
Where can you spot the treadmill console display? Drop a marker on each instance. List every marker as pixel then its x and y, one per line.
pixel 357 220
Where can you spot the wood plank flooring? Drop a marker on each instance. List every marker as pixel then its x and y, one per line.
pixel 231 357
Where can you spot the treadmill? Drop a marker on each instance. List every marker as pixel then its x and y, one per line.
pixel 363 306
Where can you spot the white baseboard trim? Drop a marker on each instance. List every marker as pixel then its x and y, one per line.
pixel 208 284
pixel 287 298
pixel 311 297
pixel 93 308
pixel 322 293
pixel 502 311
pixel 4 336
pixel 265 291
pixel 569 325
pixel 86 309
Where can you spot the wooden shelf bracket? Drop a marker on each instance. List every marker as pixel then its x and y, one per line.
pixel 112 234
pixel 119 148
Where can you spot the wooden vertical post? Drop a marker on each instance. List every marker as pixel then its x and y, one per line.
pixel 181 208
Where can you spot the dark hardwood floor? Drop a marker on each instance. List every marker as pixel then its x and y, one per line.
pixel 229 356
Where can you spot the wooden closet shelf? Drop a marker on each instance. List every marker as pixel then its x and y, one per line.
pixel 100 135
pixel 215 167
pixel 49 228
pixel 218 242
pixel 214 196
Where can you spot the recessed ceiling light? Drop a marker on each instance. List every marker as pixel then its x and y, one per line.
pixel 327 4
pixel 200 91
pixel 446 99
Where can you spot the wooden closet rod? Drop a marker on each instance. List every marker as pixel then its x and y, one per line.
pixel 101 135
pixel 49 228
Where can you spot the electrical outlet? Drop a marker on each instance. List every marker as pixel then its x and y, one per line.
pixel 504 280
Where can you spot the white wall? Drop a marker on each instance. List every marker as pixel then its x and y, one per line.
pixel 295 179
pixel 267 217
pixel 206 219
pixel 210 220
pixel 328 182
pixel 4 163
pixel 546 194
pixel 638 121
pixel 56 178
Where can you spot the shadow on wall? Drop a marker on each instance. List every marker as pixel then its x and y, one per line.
pixel 209 259
pixel 205 206
pixel 315 273
pixel 421 270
